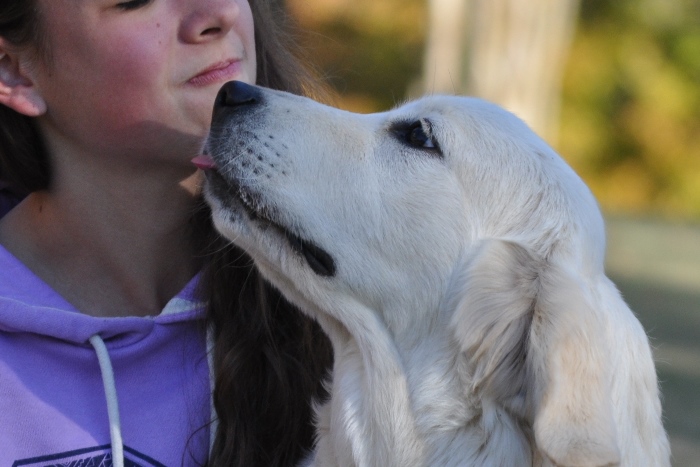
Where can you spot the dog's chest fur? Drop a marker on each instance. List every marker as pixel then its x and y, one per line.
pixel 438 416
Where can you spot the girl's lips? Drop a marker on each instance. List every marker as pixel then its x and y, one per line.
pixel 217 73
pixel 204 162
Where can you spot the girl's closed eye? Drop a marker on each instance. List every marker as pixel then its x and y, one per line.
pixel 132 4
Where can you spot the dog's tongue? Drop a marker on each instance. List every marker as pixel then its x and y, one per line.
pixel 204 162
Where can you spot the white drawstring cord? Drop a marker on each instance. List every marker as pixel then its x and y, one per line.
pixel 115 431
pixel 212 383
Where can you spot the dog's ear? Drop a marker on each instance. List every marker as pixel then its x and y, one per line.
pixel 535 343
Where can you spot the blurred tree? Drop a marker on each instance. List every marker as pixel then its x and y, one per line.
pixel 370 50
pixel 511 52
pixel 631 114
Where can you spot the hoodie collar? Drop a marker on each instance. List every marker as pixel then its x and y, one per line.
pixel 28 304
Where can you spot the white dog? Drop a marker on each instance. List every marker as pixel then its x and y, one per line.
pixel 456 263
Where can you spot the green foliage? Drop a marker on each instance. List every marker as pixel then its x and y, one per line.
pixel 630 121
pixel 370 51
pixel 631 105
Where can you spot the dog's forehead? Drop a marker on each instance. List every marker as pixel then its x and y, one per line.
pixel 468 125
pixel 454 107
pixel 463 118
pixel 497 156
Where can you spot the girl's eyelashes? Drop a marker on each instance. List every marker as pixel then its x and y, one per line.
pixel 132 4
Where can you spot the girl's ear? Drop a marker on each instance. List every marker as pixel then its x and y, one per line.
pixel 17 89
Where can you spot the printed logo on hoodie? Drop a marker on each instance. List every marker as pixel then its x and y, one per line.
pixel 99 456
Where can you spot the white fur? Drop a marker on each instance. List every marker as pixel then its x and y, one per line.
pixel 470 316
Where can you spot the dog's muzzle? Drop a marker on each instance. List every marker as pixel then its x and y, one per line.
pixel 236 102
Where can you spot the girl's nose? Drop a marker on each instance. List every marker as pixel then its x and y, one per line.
pixel 208 20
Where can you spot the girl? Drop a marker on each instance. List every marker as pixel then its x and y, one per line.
pixel 108 263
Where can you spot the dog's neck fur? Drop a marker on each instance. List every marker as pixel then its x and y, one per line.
pixel 372 434
pixel 417 398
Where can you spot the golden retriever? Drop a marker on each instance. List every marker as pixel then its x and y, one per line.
pixel 456 263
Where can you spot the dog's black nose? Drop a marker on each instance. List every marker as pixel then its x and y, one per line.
pixel 237 94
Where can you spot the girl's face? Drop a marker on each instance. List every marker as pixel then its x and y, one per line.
pixel 139 76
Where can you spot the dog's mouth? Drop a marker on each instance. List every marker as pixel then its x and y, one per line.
pixel 224 188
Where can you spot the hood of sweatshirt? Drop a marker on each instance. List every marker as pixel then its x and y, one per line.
pixel 28 304
pixel 125 388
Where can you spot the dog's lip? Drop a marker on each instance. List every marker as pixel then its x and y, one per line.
pixel 318 259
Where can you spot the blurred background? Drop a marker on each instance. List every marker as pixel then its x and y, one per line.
pixel 612 85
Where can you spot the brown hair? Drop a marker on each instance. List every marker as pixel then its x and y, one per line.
pixel 24 165
pixel 269 359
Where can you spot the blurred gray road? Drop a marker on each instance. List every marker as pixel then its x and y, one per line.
pixel 656 266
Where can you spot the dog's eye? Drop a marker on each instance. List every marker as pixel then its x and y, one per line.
pixel 417 134
pixel 418 138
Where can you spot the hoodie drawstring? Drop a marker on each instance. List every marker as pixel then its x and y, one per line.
pixel 214 420
pixel 115 431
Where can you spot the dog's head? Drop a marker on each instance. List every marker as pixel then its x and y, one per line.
pixel 445 202
pixel 373 206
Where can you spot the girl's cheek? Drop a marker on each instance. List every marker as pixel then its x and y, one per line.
pixel 141 60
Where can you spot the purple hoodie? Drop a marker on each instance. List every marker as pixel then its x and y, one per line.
pixel 66 396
